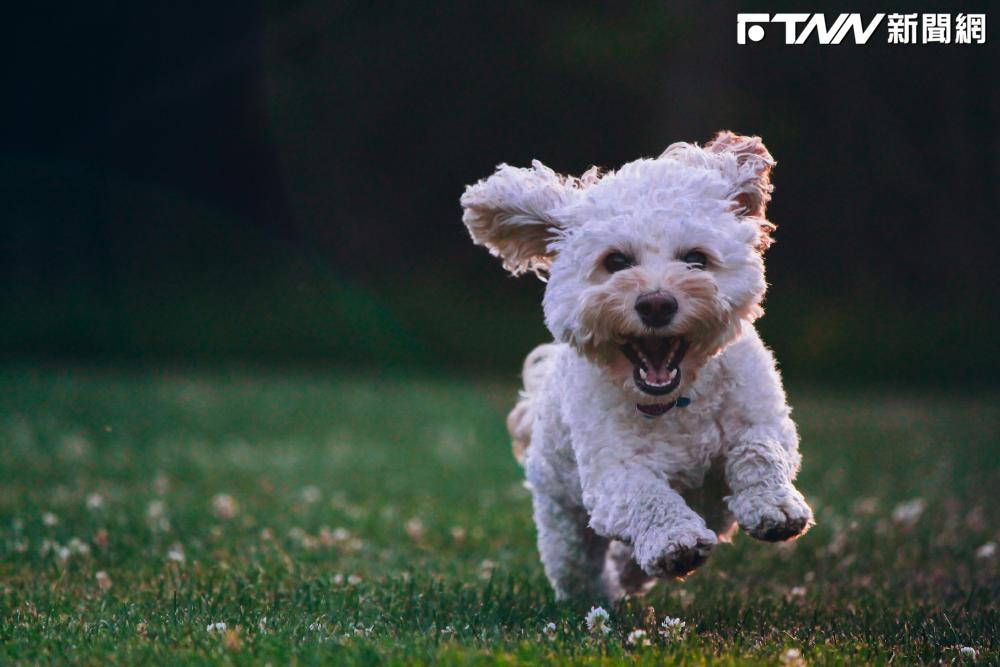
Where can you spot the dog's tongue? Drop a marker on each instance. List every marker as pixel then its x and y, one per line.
pixel 657 351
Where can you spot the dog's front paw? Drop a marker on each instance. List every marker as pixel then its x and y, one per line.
pixel 679 553
pixel 773 514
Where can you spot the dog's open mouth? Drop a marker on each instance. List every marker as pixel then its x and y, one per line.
pixel 656 361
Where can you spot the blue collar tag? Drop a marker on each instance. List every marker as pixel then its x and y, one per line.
pixel 682 402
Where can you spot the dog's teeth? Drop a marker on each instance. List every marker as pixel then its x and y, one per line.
pixel 642 373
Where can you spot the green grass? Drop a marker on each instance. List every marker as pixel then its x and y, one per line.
pixel 436 561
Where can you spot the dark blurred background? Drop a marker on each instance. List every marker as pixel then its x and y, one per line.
pixel 278 182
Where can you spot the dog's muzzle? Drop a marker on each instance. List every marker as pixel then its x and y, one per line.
pixel 656 369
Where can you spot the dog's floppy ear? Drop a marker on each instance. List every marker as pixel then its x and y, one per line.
pixel 511 213
pixel 750 176
pixel 752 182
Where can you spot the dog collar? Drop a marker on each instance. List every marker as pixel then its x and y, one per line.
pixel 657 410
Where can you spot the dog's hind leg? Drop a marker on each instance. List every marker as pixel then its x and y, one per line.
pixel 522 417
pixel 572 553
pixel 622 575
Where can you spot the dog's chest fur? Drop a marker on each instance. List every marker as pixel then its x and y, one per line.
pixel 683 444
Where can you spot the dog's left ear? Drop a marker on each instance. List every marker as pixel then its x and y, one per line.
pixel 513 214
pixel 750 176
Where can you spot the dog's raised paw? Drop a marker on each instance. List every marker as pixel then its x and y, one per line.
pixel 779 532
pixel 773 515
pixel 684 560
pixel 683 554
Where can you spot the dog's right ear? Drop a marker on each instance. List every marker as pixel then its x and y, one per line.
pixel 513 214
pixel 752 178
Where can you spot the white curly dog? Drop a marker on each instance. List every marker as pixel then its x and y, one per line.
pixel 658 422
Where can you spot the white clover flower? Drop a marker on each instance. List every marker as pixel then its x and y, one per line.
pixel 95 501
pixel 415 529
pixel 967 652
pixel 216 627
pixel 486 569
pixel 78 547
pixel 908 513
pixel 224 506
pixel 792 656
pixel 638 638
pixel 50 519
pixel 797 592
pixel 353 580
pixel 176 554
pixel 103 580
pixel 311 495
pixel 597 621
pixel 549 630
pixel 310 542
pixel 671 628
pixel 156 512
pixel 987 551
pixel 155 509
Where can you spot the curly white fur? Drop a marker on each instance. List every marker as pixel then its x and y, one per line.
pixel 619 497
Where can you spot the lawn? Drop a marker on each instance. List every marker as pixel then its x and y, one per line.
pixel 350 519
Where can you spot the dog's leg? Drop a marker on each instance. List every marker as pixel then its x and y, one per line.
pixel 622 575
pixel 762 447
pixel 764 501
pixel 572 553
pixel 634 504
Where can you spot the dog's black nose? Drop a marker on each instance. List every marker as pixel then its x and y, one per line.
pixel 656 309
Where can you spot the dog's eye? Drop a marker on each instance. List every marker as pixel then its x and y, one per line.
pixel 695 258
pixel 616 261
